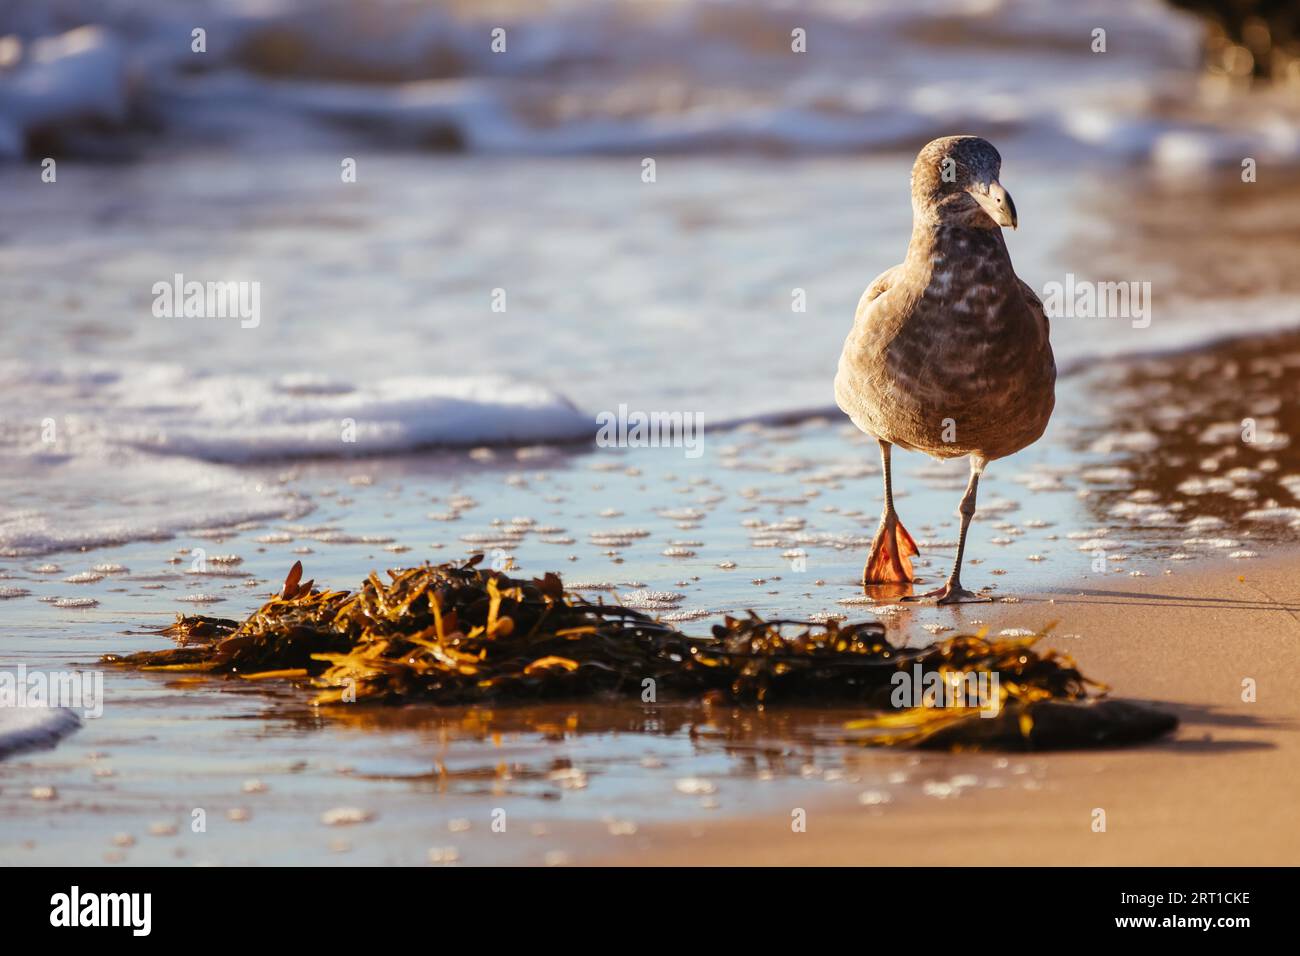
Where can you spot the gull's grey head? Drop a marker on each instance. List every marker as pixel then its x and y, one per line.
pixel 955 182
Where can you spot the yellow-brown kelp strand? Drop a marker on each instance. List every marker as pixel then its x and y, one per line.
pixel 457 633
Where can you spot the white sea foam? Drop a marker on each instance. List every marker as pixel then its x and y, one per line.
pixel 169 438
pixel 63 80
pixel 169 410
pixel 22 728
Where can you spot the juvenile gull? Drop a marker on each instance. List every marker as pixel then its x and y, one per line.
pixel 949 353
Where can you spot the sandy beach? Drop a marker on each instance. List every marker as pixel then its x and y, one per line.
pixel 1216 793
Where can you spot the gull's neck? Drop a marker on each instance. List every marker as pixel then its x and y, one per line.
pixel 938 245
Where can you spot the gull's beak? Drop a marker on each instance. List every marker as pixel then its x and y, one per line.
pixel 997 203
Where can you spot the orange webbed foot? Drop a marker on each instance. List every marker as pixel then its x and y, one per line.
pixel 890 560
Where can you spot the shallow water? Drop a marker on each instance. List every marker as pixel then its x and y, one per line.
pixel 560 783
pixel 676 296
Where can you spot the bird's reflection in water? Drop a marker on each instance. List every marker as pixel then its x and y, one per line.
pixel 890 593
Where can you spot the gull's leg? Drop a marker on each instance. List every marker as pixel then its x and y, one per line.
pixel 952 592
pixel 892 548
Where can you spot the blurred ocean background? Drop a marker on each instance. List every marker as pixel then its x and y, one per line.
pixel 577 77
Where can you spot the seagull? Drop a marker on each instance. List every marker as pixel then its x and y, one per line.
pixel 949 352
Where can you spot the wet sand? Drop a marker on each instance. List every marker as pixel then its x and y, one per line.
pixel 1220 791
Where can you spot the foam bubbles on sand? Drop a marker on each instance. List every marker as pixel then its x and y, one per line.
pixel 678 617
pixel 1273 514
pixel 345 816
pixel 1197 485
pixel 696 786
pixel 683 514
pixel 1114 475
pixel 1219 543
pixel 339 537
pixel 644 600
pixel 617 537
pixel 1099 544
pixel 1144 514
pixel 200 598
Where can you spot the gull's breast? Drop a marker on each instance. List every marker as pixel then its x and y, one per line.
pixel 961 367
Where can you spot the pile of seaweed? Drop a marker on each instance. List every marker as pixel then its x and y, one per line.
pixel 459 633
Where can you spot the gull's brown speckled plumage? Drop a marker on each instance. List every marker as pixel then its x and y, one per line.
pixel 949 352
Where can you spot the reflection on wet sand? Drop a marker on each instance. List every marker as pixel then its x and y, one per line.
pixel 503 750
pixel 1197 449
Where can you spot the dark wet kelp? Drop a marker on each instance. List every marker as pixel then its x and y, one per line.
pixel 459 633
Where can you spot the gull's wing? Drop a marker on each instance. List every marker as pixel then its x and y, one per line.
pixel 861 362
pixel 877 288
pixel 1036 307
